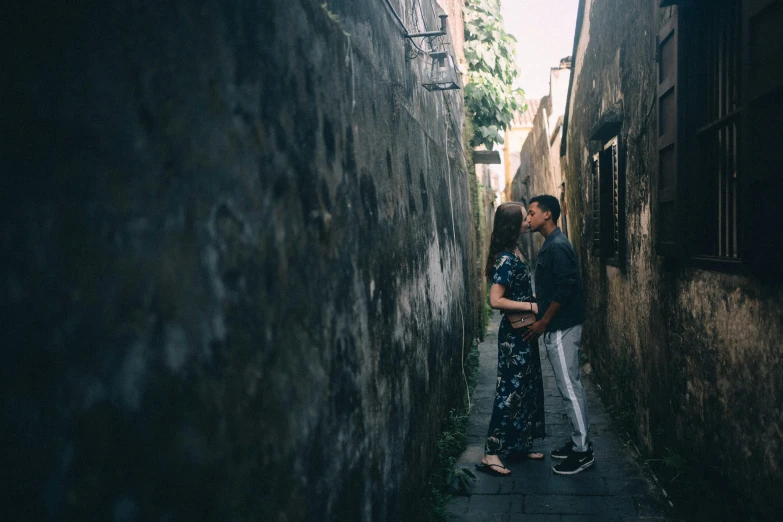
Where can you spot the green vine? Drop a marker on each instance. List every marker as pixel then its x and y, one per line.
pixel 490 97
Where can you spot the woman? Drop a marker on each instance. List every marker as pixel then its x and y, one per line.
pixel 518 411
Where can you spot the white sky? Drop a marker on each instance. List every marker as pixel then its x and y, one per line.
pixel 544 30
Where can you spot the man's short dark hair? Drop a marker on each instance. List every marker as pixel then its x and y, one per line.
pixel 548 203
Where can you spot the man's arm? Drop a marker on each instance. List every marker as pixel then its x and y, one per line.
pixel 565 273
pixel 539 327
pixel 554 307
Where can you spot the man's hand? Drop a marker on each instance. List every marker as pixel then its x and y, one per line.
pixel 535 330
pixel 538 328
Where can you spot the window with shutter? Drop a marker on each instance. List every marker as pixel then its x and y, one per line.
pixel 721 123
pixel 608 194
pixel 667 242
pixel 596 203
pixel 613 245
pixel 611 202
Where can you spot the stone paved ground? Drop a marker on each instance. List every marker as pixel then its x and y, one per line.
pixel 613 489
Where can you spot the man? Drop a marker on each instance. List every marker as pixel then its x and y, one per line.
pixel 561 312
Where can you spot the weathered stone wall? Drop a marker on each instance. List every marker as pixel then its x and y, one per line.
pixel 533 175
pixel 239 262
pixel 539 168
pixel 487 176
pixel 693 354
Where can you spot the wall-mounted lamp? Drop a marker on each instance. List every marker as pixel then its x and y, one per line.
pixel 443 74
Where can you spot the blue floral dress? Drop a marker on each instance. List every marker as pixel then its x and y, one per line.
pixel 518 410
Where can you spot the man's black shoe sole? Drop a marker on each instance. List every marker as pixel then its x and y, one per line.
pixel 577 470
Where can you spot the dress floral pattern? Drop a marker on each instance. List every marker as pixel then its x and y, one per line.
pixel 518 409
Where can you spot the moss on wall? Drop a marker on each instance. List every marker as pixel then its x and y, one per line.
pixel 691 355
pixel 241 261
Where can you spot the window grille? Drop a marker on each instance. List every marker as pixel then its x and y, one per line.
pixel 718 130
pixel 717 135
pixel 608 202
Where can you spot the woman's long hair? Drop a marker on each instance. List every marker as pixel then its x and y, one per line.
pixel 505 232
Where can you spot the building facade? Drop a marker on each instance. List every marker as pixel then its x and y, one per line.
pixel 672 172
pixel 537 170
pixel 515 136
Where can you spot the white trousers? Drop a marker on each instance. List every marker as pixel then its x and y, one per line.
pixel 562 350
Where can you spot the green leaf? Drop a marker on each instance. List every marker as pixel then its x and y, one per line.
pixel 490 98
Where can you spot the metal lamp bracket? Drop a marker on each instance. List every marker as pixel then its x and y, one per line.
pixel 431 34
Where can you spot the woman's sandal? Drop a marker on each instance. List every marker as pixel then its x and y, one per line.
pixel 489 469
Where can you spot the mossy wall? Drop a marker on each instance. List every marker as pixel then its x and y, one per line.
pixel 692 355
pixel 239 262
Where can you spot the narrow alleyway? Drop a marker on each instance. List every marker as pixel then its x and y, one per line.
pixel 614 488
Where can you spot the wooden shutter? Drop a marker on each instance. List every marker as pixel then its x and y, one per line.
pixel 609 201
pixel 605 212
pixel 668 54
pixel 596 179
pixel 761 154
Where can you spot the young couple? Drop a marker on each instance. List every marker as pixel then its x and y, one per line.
pixel 518 410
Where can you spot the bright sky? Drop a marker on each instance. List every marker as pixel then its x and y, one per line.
pixel 544 30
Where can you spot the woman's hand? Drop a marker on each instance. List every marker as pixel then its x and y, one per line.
pixel 534 308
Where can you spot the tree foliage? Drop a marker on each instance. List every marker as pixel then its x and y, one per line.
pixel 490 96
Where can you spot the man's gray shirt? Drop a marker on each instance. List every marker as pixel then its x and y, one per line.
pixel 557 279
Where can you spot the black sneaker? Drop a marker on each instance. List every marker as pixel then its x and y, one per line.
pixel 564 452
pixel 575 462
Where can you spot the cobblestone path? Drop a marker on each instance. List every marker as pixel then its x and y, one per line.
pixel 613 489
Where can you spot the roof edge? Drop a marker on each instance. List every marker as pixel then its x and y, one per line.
pixel 580 14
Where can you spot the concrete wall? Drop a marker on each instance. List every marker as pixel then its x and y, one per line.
pixel 240 269
pixel 693 354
